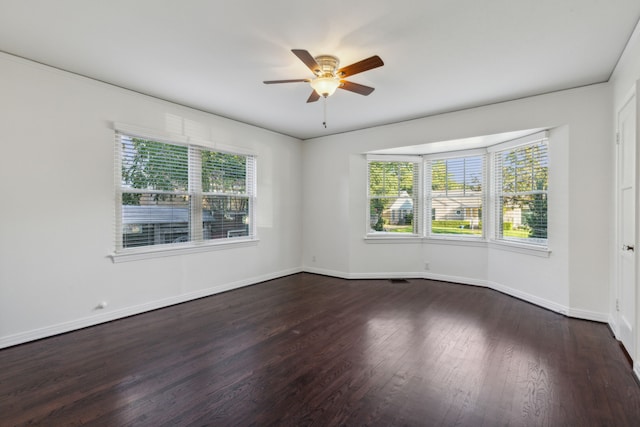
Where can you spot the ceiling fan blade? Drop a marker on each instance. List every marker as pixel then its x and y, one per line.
pixel 313 97
pixel 360 66
pixel 270 82
pixel 355 87
pixel 308 60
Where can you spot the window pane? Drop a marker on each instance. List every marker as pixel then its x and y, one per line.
pixel 154 219
pixel 457 215
pixel 391 178
pixel 524 218
pixel 152 165
pixel 225 217
pixel 224 173
pixel 457 176
pixel 394 215
pixel 524 169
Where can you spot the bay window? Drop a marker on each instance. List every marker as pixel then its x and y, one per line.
pixel 448 196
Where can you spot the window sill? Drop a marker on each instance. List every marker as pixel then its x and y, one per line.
pixel 392 238
pixel 160 252
pixel 414 238
pixel 522 248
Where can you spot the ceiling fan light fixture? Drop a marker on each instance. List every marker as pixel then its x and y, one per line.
pixel 325 86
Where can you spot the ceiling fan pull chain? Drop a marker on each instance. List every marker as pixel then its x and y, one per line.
pixel 324 123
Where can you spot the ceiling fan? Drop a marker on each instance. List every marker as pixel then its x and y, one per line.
pixel 328 77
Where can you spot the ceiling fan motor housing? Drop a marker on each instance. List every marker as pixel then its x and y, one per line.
pixel 328 65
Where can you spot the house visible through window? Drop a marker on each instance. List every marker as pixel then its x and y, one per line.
pixel 173 194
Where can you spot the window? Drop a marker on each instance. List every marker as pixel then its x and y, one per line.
pixel 393 195
pixel 496 192
pixel 456 195
pixel 521 175
pixel 176 194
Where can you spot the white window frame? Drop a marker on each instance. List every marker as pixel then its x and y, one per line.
pixel 195 192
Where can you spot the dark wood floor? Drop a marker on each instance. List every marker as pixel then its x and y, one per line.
pixel 314 350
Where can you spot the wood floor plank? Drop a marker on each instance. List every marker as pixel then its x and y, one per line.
pixel 315 350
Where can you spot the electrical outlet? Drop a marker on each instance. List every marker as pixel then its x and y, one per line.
pixel 427 266
pixel 313 258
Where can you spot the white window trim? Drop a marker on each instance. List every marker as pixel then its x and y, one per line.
pixel 157 251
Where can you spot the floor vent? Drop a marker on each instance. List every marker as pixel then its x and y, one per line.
pixel 398 280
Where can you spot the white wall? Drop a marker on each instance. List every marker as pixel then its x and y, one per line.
pixel 574 278
pixel 57 209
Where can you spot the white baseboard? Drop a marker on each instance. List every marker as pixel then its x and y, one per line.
pixel 325 272
pixel 61 328
pixel 533 299
pixel 636 370
pixel 613 325
pixel 588 315
pixel 396 275
pixel 456 279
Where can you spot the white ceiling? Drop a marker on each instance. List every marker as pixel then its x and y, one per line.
pixel 440 55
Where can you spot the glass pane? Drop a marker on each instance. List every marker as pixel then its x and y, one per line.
pixel 224 173
pixel 524 169
pixel 456 216
pixel 154 219
pixel 391 178
pixel 394 215
pixel 152 165
pixel 439 176
pixel 225 217
pixel 524 218
pixel 474 173
pixel 461 176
